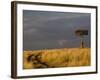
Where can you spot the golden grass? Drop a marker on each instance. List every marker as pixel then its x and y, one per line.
pixel 66 57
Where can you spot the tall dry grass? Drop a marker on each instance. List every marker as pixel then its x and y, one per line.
pixel 53 58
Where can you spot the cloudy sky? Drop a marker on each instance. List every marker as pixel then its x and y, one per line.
pixel 46 29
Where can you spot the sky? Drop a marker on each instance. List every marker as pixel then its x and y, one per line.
pixel 49 29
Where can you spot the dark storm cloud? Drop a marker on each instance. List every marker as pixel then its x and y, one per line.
pixel 44 29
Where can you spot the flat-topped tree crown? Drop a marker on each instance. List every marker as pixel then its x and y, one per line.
pixel 81 33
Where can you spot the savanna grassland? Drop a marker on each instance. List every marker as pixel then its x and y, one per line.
pixel 53 58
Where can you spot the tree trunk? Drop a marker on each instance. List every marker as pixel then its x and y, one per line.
pixel 82 43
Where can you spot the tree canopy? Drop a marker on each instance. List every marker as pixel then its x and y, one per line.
pixel 81 32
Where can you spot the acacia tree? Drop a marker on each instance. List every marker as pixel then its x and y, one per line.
pixel 81 33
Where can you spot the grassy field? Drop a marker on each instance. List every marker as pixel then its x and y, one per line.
pixel 53 58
